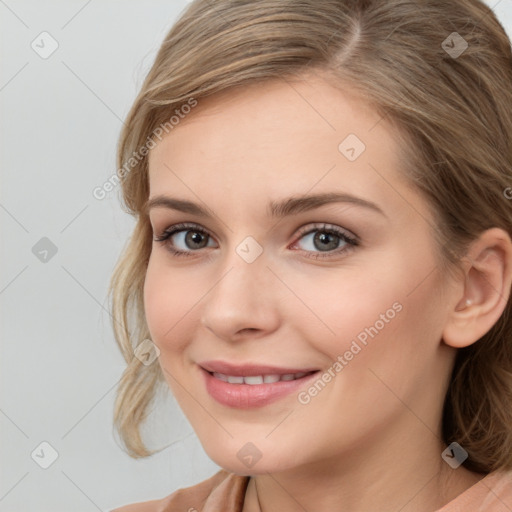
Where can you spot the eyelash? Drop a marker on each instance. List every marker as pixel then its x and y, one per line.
pixel 322 227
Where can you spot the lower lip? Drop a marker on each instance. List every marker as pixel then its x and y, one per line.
pixel 247 396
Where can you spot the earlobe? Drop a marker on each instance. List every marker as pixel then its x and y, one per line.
pixel 486 289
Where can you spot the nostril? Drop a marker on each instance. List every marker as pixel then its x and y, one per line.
pixel 249 329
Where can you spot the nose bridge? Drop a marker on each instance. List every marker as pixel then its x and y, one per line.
pixel 243 274
pixel 242 296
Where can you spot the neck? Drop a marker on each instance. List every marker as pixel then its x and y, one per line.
pixel 386 478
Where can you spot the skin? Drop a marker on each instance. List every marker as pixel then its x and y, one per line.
pixel 371 439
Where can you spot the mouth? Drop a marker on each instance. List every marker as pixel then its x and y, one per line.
pixel 247 386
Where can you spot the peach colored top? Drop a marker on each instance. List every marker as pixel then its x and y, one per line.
pixel 225 492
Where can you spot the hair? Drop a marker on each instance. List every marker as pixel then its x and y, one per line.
pixel 453 118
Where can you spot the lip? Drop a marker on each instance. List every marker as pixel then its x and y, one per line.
pixel 248 396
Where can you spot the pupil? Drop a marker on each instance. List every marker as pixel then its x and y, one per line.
pixel 326 241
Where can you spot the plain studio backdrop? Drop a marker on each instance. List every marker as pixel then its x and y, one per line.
pixel 70 71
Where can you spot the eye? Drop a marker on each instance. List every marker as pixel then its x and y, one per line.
pixel 325 238
pixel 317 241
pixel 182 239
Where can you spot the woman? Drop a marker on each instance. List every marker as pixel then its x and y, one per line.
pixel 321 265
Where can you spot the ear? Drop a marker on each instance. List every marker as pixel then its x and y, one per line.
pixel 485 285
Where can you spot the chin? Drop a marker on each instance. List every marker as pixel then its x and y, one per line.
pixel 248 459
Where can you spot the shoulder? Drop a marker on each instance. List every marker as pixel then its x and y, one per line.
pixel 223 489
pixel 493 493
pixel 498 491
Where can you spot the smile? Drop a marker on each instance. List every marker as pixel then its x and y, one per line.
pixel 250 386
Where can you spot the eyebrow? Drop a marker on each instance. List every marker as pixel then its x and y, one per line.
pixel 276 209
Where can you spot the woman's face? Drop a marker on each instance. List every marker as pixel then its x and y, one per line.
pixel 302 250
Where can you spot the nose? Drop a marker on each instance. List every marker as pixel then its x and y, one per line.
pixel 243 300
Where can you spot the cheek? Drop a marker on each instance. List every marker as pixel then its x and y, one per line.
pixel 392 341
pixel 387 313
pixel 345 305
pixel 385 342
pixel 169 299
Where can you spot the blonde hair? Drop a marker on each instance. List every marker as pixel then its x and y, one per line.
pixel 453 114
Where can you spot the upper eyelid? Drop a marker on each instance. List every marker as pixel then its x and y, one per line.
pixel 314 226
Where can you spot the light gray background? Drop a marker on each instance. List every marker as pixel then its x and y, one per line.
pixel 61 117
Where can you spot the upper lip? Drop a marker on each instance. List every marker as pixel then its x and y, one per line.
pixel 248 369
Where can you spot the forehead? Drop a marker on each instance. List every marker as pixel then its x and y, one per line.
pixel 284 108
pixel 278 137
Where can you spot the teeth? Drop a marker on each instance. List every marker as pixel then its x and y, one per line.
pixel 235 380
pixel 258 379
